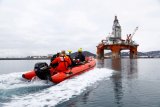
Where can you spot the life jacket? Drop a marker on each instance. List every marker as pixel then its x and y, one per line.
pixel 63 63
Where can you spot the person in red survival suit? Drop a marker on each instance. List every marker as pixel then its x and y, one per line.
pixel 63 62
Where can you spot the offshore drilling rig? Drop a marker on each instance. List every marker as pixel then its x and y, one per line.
pixel 114 43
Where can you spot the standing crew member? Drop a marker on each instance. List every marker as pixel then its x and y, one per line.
pixel 63 62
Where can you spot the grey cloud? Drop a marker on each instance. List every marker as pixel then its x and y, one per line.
pixel 38 27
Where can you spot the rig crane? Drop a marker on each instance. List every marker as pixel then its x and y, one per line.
pixel 130 36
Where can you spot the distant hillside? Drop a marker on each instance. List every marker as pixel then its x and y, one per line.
pixel 155 54
pixel 150 54
pixel 86 53
pixel 139 54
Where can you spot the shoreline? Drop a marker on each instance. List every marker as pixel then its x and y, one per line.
pixel 49 58
pixel 24 58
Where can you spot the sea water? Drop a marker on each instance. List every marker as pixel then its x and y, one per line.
pixel 16 91
pixel 113 83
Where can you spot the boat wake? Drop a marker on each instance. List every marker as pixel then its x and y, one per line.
pixel 15 91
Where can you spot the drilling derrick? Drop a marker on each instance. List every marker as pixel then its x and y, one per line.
pixel 116 29
pixel 114 43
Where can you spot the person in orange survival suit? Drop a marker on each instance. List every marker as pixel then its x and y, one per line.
pixel 63 62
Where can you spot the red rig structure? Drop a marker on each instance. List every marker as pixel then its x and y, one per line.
pixel 114 43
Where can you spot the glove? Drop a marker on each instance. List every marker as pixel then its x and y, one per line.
pixel 70 72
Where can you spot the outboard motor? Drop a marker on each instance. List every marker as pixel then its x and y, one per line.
pixel 42 70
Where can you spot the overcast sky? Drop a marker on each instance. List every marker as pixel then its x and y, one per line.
pixel 42 27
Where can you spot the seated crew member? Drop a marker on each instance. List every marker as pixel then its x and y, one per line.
pixel 54 57
pixel 63 62
pixel 80 56
pixel 69 55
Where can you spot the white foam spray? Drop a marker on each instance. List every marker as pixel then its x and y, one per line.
pixel 55 94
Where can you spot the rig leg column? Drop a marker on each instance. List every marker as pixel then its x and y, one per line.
pixel 100 53
pixel 133 52
pixel 115 52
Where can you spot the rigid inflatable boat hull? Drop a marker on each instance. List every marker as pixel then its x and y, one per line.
pixel 60 76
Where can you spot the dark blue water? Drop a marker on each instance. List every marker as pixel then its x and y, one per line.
pixel 133 83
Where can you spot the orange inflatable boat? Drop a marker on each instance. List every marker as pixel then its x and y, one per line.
pixel 42 71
